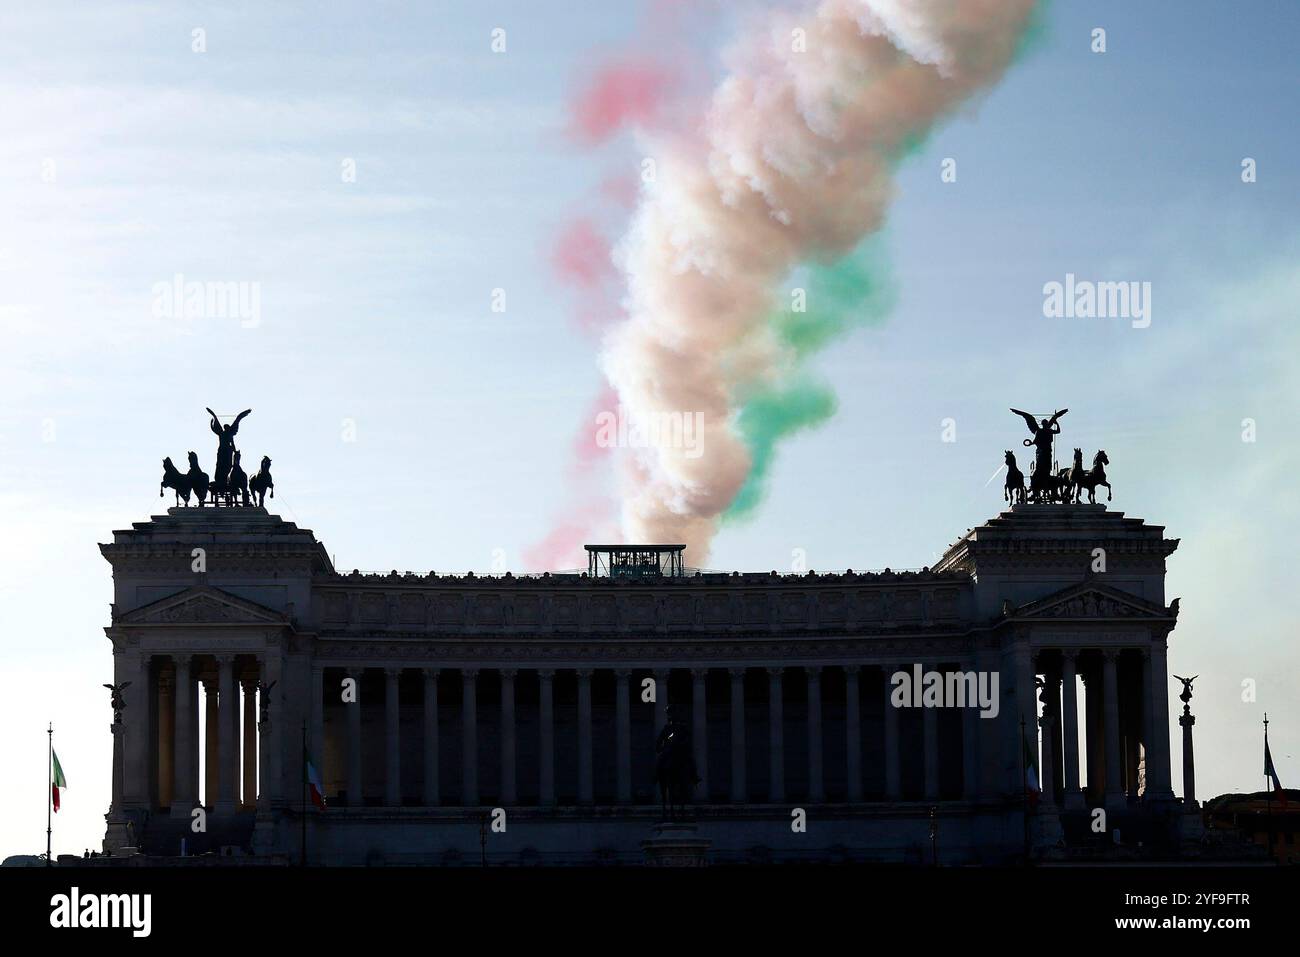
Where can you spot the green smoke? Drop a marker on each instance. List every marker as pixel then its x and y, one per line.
pixel 851 293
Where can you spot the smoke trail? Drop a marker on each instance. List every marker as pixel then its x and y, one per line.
pixel 792 164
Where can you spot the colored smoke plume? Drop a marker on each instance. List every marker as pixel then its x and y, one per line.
pixel 789 171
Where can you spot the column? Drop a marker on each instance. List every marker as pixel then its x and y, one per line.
pixel 893 757
pixel 316 717
pixel 930 743
pixel 1110 705
pixel 212 751
pixel 623 734
pixel 356 798
pixel 183 739
pixel 469 739
pixel 1159 785
pixel 700 730
pixel 1048 723
pixel 134 667
pixel 227 740
pixel 271 732
pixel 509 790
pixel 775 737
pixel 1186 721
pixel 431 795
pixel 1027 720
pixel 250 742
pixel 584 737
pixel 1093 738
pixel 970 739
pixel 661 699
pixel 392 737
pixel 853 731
pixel 816 778
pixel 738 786
pixel 166 737
pixel 1070 730
pixel 546 725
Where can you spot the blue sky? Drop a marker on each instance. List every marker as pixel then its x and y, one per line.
pixel 375 310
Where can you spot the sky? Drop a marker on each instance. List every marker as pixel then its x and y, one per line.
pixel 415 426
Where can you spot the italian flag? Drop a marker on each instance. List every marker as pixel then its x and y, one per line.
pixel 314 786
pixel 59 781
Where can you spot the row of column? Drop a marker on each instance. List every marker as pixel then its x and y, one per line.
pixel 1104 732
pixel 623 749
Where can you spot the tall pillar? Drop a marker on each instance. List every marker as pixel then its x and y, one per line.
pixel 133 666
pixel 1159 784
pixel 970 740
pixel 1114 797
pixel 546 725
pixel 316 716
pixel 738 785
pixel 893 756
pixel 623 735
pixel 1048 723
pixel 1187 720
pixel 431 789
pixel 356 796
pixel 700 730
pixel 930 741
pixel 1070 730
pixel 1026 731
pixel 1093 737
pixel 585 795
pixel 211 747
pixel 775 737
pixel 250 742
pixel 661 676
pixel 166 737
pixel 816 778
pixel 392 737
pixel 227 738
pixel 853 731
pixel 183 741
pixel 271 732
pixel 509 790
pixel 469 741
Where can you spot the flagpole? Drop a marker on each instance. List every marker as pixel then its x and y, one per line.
pixel 1268 791
pixel 49 793
pixel 303 853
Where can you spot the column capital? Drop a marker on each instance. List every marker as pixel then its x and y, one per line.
pixel 545 674
pixel 700 673
pixel 814 672
pixel 508 674
pixel 1110 654
pixel 852 669
pixel 737 673
pixel 1070 655
pixel 660 672
pixel 775 671
pixel 622 674
pixel 1146 652
pixel 469 674
pixel 393 671
pixel 431 672
pixel 224 658
pixel 354 671
pixel 249 682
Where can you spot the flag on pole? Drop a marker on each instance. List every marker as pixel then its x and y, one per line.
pixel 1270 772
pixel 314 785
pixel 57 781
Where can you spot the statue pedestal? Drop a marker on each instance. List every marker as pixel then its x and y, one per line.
pixel 675 844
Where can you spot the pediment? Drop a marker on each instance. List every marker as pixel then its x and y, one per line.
pixel 203 604
pixel 1090 601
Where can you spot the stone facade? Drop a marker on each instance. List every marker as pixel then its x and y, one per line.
pixel 528 694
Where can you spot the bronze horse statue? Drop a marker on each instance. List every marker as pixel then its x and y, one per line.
pixel 198 478
pixel 174 480
pixel 1013 489
pixel 675 771
pixel 1095 476
pixel 262 481
pixel 237 483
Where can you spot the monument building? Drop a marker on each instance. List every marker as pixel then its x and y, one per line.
pixel 514 719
